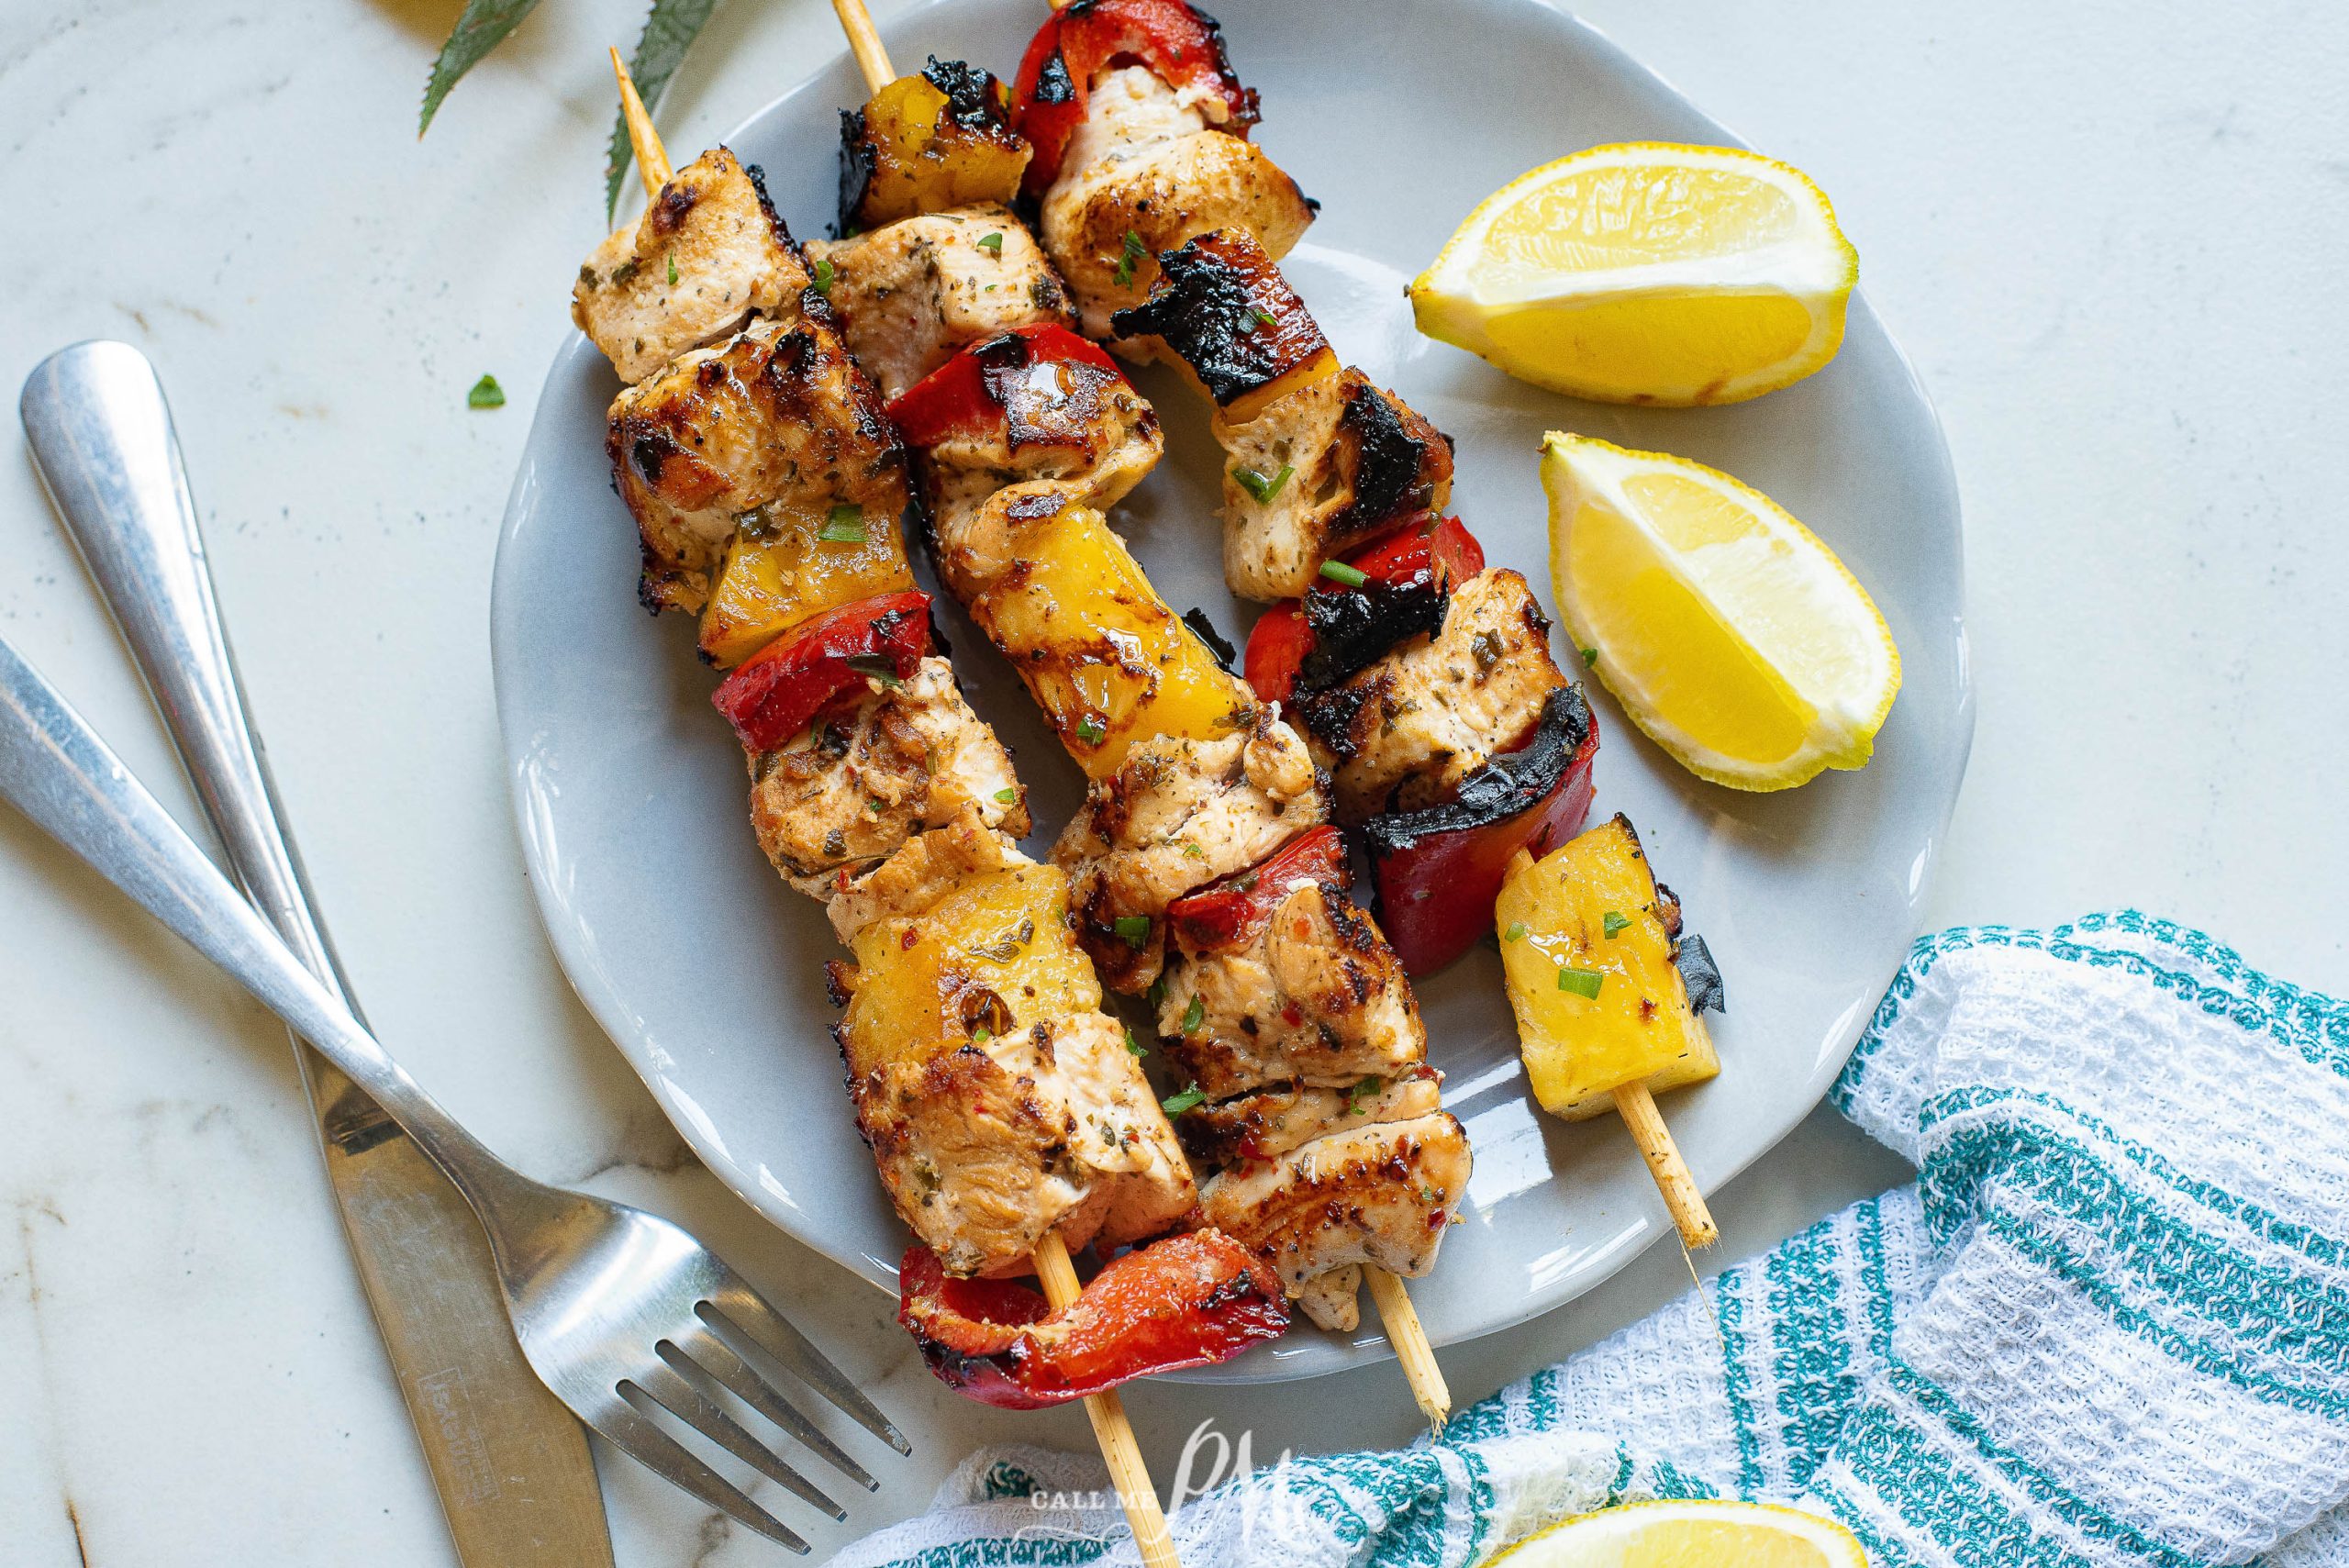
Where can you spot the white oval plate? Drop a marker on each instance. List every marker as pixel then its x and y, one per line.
pixel 1400 115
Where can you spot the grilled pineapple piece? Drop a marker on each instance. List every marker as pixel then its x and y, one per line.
pixel 786 563
pixel 924 143
pixel 1587 944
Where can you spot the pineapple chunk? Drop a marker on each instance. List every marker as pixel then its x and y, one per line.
pixel 993 956
pixel 1554 917
pixel 928 143
pixel 781 569
pixel 1102 654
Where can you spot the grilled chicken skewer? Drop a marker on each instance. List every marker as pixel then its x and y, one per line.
pixel 1172 740
pixel 1008 1118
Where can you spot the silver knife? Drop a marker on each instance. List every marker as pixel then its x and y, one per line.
pixel 511 1464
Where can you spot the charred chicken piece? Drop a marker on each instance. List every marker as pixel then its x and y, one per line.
pixel 1177 814
pixel 924 143
pixel 1402 732
pixel 1319 470
pixel 1277 977
pixel 706 253
pixel 1145 174
pixel 851 789
pixel 911 294
pixel 778 415
pixel 1222 312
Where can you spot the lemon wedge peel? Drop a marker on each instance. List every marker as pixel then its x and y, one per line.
pixel 1698 1533
pixel 1647 273
pixel 1729 632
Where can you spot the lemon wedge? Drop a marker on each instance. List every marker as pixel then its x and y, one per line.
pixel 1732 636
pixel 1697 1534
pixel 1647 273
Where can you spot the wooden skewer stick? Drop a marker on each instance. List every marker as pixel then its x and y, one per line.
pixel 651 159
pixel 1637 1107
pixel 1119 1449
pixel 1396 1313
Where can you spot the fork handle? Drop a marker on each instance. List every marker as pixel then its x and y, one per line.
pixel 56 770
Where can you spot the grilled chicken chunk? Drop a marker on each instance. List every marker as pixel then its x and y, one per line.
pixel 1310 994
pixel 778 415
pixel 912 293
pixel 1065 420
pixel 1144 175
pixel 1176 815
pixel 1379 1192
pixel 1317 470
pixel 852 789
pixel 919 874
pixel 988 1146
pixel 1270 1122
pixel 1400 733
pixel 707 252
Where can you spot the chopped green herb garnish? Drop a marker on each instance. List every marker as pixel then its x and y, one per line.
pixel 981 1035
pixel 992 243
pixel 1264 318
pixel 1194 1015
pixel 825 273
pixel 486 394
pixel 1361 1092
pixel 627 270
pixel 1516 931
pixel 1614 925
pixel 1339 571
pixel 878 667
pixel 1256 485
pixel 1590 657
pixel 1156 994
pixel 1582 982
pixel 1133 929
pixel 1133 1046
pixel 1090 729
pixel 673 271
pixel 845 526
pixel 1007 794
pixel 1191 1095
pixel 1133 252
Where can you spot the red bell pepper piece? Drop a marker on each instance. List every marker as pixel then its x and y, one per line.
pixel 778 691
pixel 1185 1301
pixel 1415 557
pixel 1228 913
pixel 1438 870
pixel 992 384
pixel 1182 46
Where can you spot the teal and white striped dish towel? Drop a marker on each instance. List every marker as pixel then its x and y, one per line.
pixel 2108 1325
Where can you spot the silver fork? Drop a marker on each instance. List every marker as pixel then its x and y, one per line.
pixel 623 1314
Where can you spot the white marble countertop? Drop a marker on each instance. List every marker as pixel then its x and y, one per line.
pixel 2110 235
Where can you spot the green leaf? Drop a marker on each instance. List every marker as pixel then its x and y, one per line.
pixel 1191 1095
pixel 993 243
pixel 1339 571
pixel 1006 795
pixel 669 28
pixel 1195 1015
pixel 486 394
pixel 481 27
pixel 845 526
pixel 1614 925
pixel 1133 1046
pixel 1516 931
pixel 1133 929
pixel 1582 982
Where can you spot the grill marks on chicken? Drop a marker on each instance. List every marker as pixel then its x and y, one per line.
pixel 911 294
pixel 777 415
pixel 707 253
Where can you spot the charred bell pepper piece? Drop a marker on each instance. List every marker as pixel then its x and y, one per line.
pixel 1182 46
pixel 1187 1301
pixel 1025 382
pixel 1231 912
pixel 1437 872
pixel 925 143
pixel 1339 627
pixel 1222 305
pixel 778 692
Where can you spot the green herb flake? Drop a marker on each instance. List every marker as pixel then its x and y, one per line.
pixel 1590 657
pixel 673 271
pixel 1133 929
pixel 981 1035
pixel 1339 571
pixel 1264 318
pixel 992 244
pixel 878 667
pixel 1091 731
pixel 1156 994
pixel 1257 486
pixel 1516 931
pixel 1583 982
pixel 486 394
pixel 1191 1095
pixel 628 270
pixel 1614 925
pixel 845 526
pixel 1132 254
pixel 1007 794
pixel 1194 1015
pixel 1192 850
pixel 825 273
pixel 1133 1046
pixel 1361 1092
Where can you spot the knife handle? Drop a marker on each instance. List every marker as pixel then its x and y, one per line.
pixel 103 441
